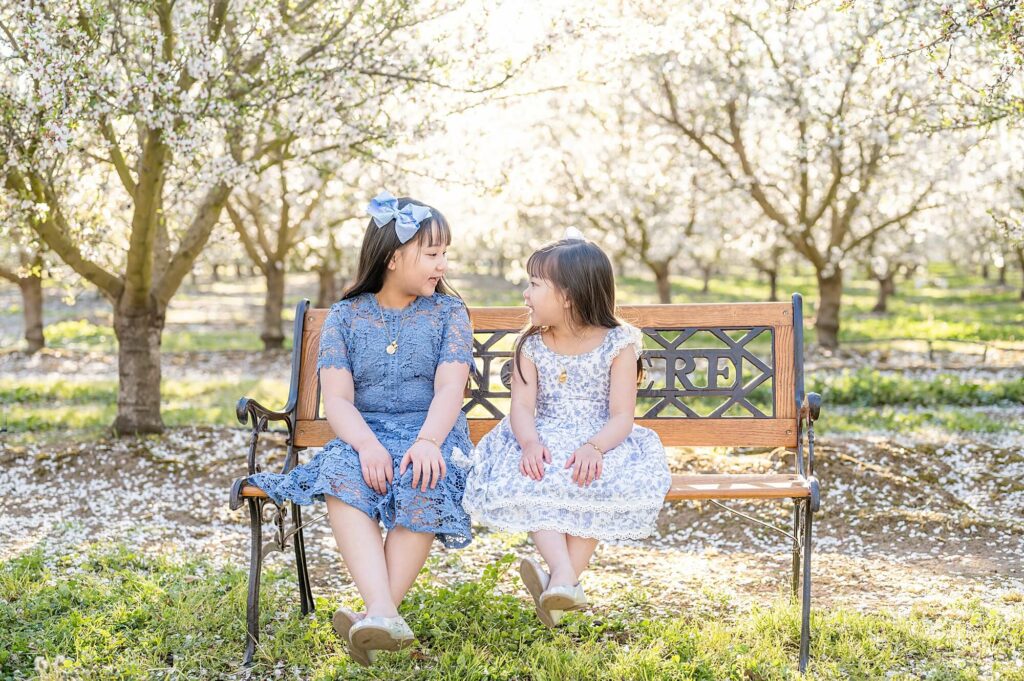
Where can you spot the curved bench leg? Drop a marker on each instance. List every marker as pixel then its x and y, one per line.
pixel 252 604
pixel 797 541
pixel 805 601
pixel 301 568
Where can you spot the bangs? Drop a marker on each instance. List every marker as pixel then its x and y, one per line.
pixel 434 233
pixel 543 264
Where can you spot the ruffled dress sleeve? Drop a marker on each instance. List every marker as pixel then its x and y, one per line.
pixel 456 335
pixel 334 339
pixel 625 336
pixel 529 347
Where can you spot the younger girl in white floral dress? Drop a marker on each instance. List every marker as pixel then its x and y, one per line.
pixel 567 464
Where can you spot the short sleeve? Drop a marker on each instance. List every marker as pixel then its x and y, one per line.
pixel 334 340
pixel 625 336
pixel 457 335
pixel 528 349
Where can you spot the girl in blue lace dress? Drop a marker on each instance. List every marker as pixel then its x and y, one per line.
pixel 567 464
pixel 394 358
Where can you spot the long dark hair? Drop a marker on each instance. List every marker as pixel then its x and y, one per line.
pixel 380 243
pixel 583 273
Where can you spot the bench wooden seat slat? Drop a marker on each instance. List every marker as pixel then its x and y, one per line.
pixel 702 486
pixel 738 486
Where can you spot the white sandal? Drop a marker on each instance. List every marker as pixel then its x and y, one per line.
pixel 564 598
pixel 371 634
pixel 343 620
pixel 536 580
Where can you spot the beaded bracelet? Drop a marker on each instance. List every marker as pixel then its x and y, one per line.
pixel 596 448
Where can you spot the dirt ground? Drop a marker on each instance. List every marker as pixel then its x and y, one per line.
pixel 904 521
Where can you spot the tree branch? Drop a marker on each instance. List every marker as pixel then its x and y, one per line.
pixel 54 231
pixel 192 243
pixel 243 235
pixel 9 275
pixel 915 207
pixel 116 156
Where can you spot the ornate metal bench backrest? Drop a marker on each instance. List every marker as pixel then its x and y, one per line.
pixel 727 374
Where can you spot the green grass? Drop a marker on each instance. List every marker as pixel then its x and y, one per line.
pixel 876 400
pixel 950 304
pixel 82 334
pixel 53 407
pixel 894 419
pixel 119 614
pixel 870 388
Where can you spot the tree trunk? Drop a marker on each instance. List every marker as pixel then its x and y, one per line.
pixel 138 393
pixel 984 271
pixel 773 285
pixel 661 280
pixel 830 293
pixel 1020 261
pixel 706 276
pixel 327 287
pixel 32 308
pixel 1002 274
pixel 272 336
pixel 215 273
pixel 886 287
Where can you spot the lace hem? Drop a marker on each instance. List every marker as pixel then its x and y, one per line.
pixel 454 360
pixel 334 362
pixel 558 504
pixel 628 335
pixel 527 348
pixel 611 535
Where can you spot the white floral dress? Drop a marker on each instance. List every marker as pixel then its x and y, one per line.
pixel 623 504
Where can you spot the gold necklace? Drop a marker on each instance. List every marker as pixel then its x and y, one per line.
pixel 392 346
pixel 563 376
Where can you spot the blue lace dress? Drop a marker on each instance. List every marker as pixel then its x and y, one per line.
pixel 623 504
pixel 393 394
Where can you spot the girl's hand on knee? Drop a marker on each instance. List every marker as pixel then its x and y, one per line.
pixel 428 467
pixel 532 462
pixel 587 465
pixel 378 470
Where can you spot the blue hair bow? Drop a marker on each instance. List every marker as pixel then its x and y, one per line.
pixel 384 208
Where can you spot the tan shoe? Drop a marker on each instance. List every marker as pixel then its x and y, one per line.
pixel 371 634
pixel 343 621
pixel 536 580
pixel 563 598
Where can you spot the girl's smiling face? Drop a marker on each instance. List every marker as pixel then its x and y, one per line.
pixel 418 266
pixel 546 303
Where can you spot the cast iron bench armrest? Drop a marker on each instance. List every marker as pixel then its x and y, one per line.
pixel 250 412
pixel 248 407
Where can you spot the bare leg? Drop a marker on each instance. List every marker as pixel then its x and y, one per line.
pixel 581 549
pixel 361 546
pixel 405 552
pixel 553 547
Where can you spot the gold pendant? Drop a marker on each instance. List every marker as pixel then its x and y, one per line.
pixel 392 348
pixel 563 377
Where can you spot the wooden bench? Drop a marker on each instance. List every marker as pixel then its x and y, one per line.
pixel 728 375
